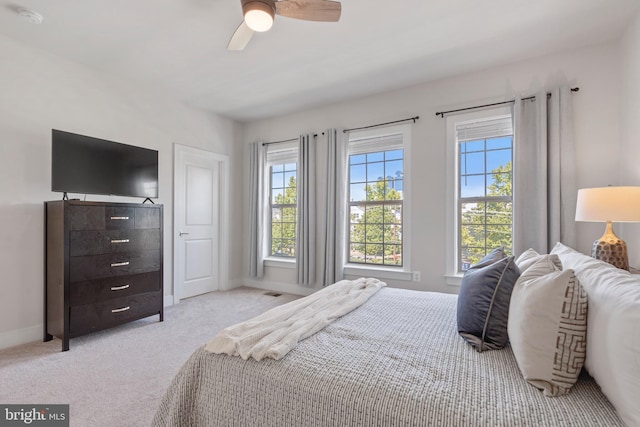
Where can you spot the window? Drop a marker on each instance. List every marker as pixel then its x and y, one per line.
pixel 376 195
pixel 282 169
pixel 484 179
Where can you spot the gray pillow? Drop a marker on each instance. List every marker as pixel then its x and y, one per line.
pixel 483 304
pixel 495 255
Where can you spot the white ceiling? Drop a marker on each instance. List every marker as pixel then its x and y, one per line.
pixel 178 47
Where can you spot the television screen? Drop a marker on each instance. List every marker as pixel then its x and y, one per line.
pixel 82 164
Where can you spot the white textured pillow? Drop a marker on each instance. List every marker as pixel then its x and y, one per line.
pixel 530 257
pixel 548 326
pixel 613 334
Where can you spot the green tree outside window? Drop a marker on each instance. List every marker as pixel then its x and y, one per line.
pixel 376 233
pixel 488 225
pixel 283 221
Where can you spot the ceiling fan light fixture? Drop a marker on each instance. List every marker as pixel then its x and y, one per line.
pixel 258 15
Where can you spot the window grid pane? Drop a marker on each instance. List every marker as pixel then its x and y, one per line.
pixel 283 200
pixel 485 208
pixel 376 186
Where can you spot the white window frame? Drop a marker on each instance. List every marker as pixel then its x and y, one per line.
pixel 384 272
pixel 452 275
pixel 275 154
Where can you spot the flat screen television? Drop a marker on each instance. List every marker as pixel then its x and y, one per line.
pixel 82 164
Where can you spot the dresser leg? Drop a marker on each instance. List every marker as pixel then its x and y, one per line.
pixel 161 315
pixel 46 335
pixel 65 344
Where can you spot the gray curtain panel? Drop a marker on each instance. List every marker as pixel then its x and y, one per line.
pixel 334 208
pixel 545 177
pixel 305 235
pixel 256 176
pixel 563 182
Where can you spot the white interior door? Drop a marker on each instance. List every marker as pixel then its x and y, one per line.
pixel 199 183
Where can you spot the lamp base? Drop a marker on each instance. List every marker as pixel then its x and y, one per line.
pixel 612 249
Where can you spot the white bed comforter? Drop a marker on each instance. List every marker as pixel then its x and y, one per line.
pixel 277 331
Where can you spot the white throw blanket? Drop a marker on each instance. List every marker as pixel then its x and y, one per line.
pixel 277 331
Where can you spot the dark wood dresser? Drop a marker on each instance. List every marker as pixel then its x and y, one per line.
pixel 103 266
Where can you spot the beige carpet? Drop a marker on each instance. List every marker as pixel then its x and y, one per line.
pixel 117 377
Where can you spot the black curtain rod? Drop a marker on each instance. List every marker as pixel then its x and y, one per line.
pixel 285 140
pixel 383 124
pixel 442 113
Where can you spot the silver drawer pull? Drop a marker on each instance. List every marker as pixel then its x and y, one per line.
pixel 119 264
pixel 119 288
pixel 119 218
pixel 120 241
pixel 120 310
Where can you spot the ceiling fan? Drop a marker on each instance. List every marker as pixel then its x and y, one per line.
pixel 259 16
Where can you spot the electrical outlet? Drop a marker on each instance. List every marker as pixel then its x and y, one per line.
pixel 416 276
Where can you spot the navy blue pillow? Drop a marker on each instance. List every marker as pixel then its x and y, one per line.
pixel 495 255
pixel 483 303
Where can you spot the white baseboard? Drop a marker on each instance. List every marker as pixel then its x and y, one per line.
pixel 235 283
pixel 21 336
pixel 285 288
pixel 168 300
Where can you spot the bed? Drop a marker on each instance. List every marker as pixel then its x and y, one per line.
pixel 396 360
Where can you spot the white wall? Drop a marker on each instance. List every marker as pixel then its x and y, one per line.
pixel 38 92
pixel 596 110
pixel 630 130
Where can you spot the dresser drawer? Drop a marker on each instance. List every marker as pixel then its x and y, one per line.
pixel 119 218
pixel 91 267
pixel 93 317
pixel 112 241
pixel 147 217
pixel 102 217
pixel 93 291
pixel 86 217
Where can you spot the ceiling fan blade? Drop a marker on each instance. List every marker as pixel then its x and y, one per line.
pixel 240 38
pixel 310 10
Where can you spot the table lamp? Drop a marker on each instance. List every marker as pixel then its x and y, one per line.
pixel 609 204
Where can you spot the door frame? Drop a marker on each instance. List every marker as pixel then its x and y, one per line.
pixel 179 151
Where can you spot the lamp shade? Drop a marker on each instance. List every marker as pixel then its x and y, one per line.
pixel 602 204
